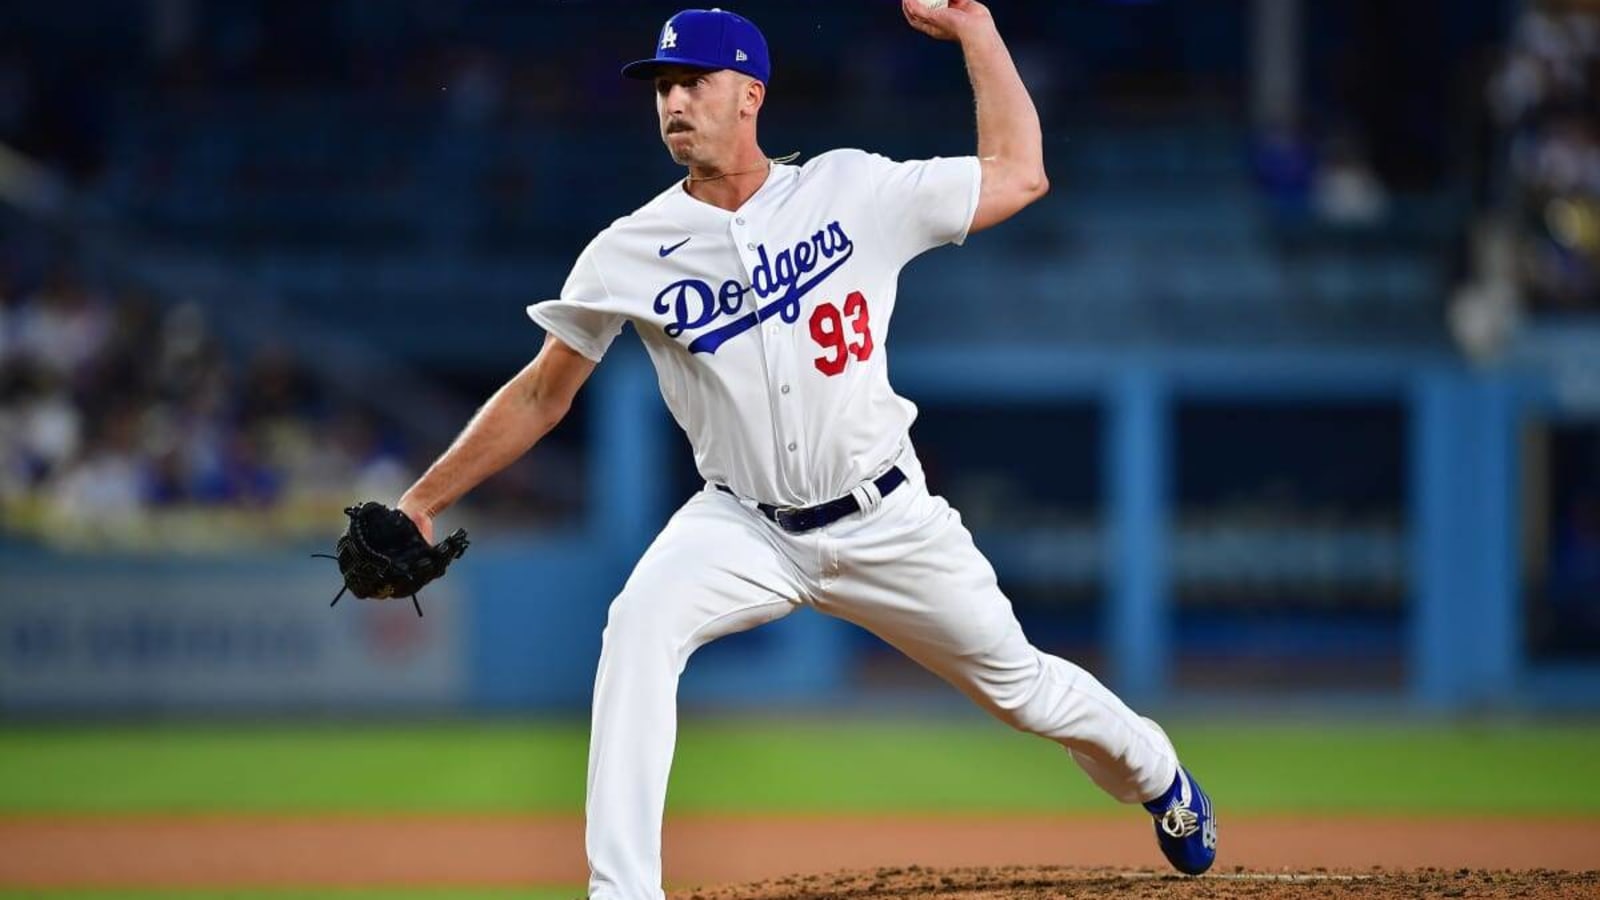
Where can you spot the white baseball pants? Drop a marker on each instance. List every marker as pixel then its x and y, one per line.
pixel 905 569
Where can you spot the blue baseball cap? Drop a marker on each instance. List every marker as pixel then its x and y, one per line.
pixel 707 39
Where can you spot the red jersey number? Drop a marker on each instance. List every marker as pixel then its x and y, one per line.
pixel 827 329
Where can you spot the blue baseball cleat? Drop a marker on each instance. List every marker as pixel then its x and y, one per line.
pixel 1186 828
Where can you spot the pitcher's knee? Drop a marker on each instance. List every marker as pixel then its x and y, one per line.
pixel 1024 705
pixel 1030 695
pixel 1034 714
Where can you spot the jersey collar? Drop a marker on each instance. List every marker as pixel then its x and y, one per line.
pixel 700 216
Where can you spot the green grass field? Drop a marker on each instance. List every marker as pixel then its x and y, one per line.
pixel 762 767
pixel 766 767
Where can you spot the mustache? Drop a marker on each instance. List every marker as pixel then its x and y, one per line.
pixel 677 125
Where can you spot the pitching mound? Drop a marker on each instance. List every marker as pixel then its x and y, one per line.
pixel 919 883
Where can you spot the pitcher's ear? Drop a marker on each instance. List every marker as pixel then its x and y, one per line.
pixel 755 94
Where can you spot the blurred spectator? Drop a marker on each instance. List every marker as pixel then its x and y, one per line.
pixel 103 487
pixel 62 327
pixel 1284 167
pixel 1346 190
pixel 1545 101
pixel 114 412
pixel 1334 184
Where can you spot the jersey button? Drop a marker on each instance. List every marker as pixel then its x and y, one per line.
pixel 784 389
pixel 750 246
pixel 792 446
pixel 738 221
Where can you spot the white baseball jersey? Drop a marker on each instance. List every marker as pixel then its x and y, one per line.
pixel 767 326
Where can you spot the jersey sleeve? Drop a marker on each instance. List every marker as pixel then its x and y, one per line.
pixel 925 203
pixel 585 317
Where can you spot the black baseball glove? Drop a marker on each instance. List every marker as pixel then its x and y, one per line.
pixel 383 555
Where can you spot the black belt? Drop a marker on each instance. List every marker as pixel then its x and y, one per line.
pixel 799 519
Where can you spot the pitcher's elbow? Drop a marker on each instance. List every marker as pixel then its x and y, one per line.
pixel 1041 185
pixel 1031 186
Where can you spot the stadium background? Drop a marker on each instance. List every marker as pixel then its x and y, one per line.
pixel 1281 413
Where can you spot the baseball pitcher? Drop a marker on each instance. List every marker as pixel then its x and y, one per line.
pixel 764 293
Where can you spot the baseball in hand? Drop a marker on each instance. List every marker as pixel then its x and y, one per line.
pixel 933 4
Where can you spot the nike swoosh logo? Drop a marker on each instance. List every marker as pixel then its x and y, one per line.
pixel 666 251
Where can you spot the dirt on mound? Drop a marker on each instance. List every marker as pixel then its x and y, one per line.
pixel 920 883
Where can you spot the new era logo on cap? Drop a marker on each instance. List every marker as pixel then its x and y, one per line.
pixel 707 39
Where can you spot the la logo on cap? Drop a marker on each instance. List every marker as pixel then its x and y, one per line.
pixel 669 38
